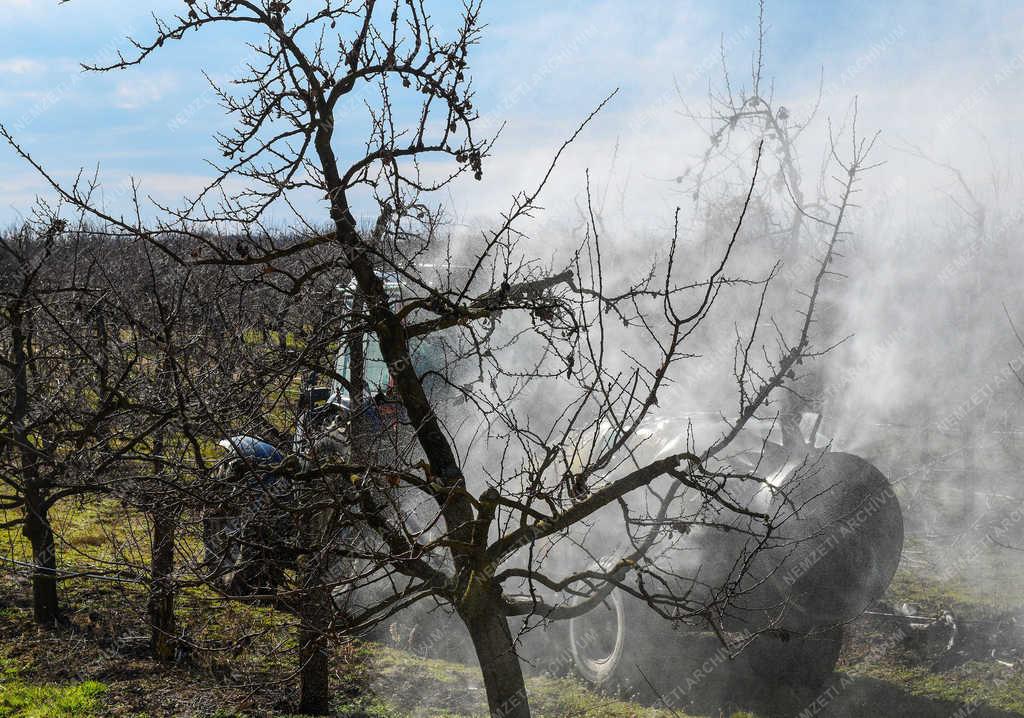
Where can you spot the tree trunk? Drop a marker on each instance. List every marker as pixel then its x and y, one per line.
pixel 314 614
pixel 314 653
pixel 37 527
pixel 38 531
pixel 161 588
pixel 502 672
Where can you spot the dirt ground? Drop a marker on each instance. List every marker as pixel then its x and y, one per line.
pixel 934 648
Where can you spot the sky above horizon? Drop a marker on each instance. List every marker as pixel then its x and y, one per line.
pixel 939 77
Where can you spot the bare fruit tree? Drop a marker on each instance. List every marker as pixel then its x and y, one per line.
pixel 72 420
pixel 492 407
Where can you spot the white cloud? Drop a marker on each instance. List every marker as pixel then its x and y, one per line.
pixel 21 66
pixel 142 90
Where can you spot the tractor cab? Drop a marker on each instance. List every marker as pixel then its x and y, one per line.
pixel 324 403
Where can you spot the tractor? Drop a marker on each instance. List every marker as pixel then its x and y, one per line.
pixel 844 531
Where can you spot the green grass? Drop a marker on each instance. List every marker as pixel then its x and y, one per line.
pixel 972 596
pixel 380 682
pixel 19 699
pixel 368 707
pixel 986 584
pixel 973 682
pixel 402 685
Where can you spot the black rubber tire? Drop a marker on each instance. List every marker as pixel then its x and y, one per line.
pixel 647 656
pixel 857 524
pixel 794 663
pixel 648 661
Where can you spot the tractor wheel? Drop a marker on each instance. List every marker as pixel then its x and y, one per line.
pixel 624 649
pixel 598 640
pixel 794 663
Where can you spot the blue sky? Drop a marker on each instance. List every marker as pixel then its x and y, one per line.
pixel 155 122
